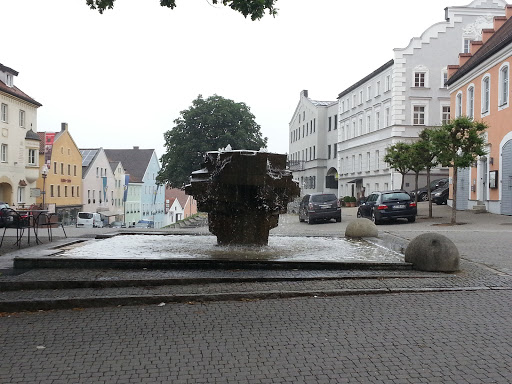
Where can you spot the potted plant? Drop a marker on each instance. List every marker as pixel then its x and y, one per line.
pixel 353 201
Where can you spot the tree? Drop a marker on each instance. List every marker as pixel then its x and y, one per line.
pixel 206 126
pixel 398 157
pixel 459 143
pixel 430 159
pixel 253 8
pixel 418 160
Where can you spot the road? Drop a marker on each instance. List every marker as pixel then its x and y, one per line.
pixel 429 337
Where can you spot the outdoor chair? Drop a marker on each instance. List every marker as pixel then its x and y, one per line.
pixel 50 221
pixel 21 221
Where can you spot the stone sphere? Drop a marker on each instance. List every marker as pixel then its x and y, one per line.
pixel 361 228
pixel 433 252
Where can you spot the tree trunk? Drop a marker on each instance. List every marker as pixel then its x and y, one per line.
pixel 429 195
pixel 403 180
pixel 454 204
pixel 416 175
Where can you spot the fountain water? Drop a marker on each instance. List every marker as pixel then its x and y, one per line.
pixel 243 192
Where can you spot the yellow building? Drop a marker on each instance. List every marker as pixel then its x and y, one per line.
pixel 62 187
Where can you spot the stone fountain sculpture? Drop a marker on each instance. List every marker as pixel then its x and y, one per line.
pixel 243 192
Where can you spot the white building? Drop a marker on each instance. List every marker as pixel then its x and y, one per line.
pixel 402 97
pixel 19 142
pixel 98 184
pixel 313 145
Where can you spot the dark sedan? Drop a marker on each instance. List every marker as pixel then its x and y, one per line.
pixel 440 195
pixel 388 205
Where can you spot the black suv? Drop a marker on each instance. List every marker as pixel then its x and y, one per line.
pixel 440 195
pixel 423 192
pixel 319 206
pixel 388 205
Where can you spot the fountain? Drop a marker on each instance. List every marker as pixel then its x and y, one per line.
pixel 243 192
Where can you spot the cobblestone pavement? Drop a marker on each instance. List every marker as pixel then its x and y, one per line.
pixel 409 327
pixel 404 338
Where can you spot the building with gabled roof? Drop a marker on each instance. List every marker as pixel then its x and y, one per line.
pixel 19 143
pixel 145 199
pixel 480 89
pixel 62 187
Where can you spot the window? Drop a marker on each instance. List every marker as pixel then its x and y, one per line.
pixel 377 120
pixel 377 89
pixel 377 159
pixel 368 161
pixel 368 123
pixel 353 168
pixel 335 121
pixel 360 163
pixel 354 101
pixel 419 115
pixel 335 150
pixel 4 113
pixel 329 123
pixel 458 105
pixel 69 169
pixel 65 191
pixel 419 79
pixel 21 195
pixel 360 125
pixel 22 118
pixel 61 168
pixel 97 172
pixel 72 191
pixel 386 116
pixel 503 86
pixel 32 157
pixel 486 94
pixel 58 190
pixel 445 118
pixel 74 170
pixel 3 153
pixel 444 77
pixel 328 151
pixel 343 106
pixel 52 194
pixel 9 80
pixel 467 46
pixel 77 191
pixel 361 96
pixel 471 102
pixel 388 83
pixel 368 93
pixel 54 167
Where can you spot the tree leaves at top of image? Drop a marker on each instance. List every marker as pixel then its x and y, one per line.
pixel 253 8
pixel 209 124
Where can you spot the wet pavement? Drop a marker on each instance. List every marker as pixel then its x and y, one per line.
pixel 268 326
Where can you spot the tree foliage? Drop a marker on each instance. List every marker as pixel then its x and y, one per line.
pixel 458 144
pixel 255 9
pixel 398 157
pixel 209 124
pixel 429 155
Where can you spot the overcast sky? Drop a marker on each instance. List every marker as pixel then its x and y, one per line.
pixel 121 78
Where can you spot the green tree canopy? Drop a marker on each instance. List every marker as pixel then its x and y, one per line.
pixel 458 144
pixel 209 124
pixel 398 157
pixel 253 8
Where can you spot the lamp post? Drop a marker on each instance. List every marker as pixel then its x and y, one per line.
pixel 44 174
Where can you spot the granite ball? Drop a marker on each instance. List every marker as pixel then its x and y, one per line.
pixel 433 252
pixel 361 228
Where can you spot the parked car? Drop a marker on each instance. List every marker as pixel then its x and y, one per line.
pixel 319 207
pixel 89 220
pixel 388 205
pixel 440 195
pixel 144 224
pixel 117 224
pixel 4 217
pixel 423 192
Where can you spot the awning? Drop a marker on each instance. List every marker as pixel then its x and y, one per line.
pixel 356 181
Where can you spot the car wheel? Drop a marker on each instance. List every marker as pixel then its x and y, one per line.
pixel 424 197
pixel 445 201
pixel 359 216
pixel 338 219
pixel 374 219
pixel 411 219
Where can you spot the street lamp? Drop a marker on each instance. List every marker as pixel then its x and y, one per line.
pixel 44 174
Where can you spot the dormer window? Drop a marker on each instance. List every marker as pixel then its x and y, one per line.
pixel 9 80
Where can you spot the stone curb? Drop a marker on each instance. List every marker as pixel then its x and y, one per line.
pixel 90 302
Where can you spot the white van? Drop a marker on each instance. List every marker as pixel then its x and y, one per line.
pixel 89 220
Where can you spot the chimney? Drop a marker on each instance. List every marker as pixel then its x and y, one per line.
pixel 135 147
pixel 304 93
pixel 452 69
pixel 63 127
pixel 498 22
pixel 486 34
pixel 463 58
pixel 508 11
pixel 475 46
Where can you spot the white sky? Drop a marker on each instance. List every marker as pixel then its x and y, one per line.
pixel 121 78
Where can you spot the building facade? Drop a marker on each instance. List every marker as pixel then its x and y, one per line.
pixel 98 184
pixel 62 187
pixel 400 98
pixel 313 141
pixel 480 89
pixel 119 192
pixel 145 199
pixel 19 142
